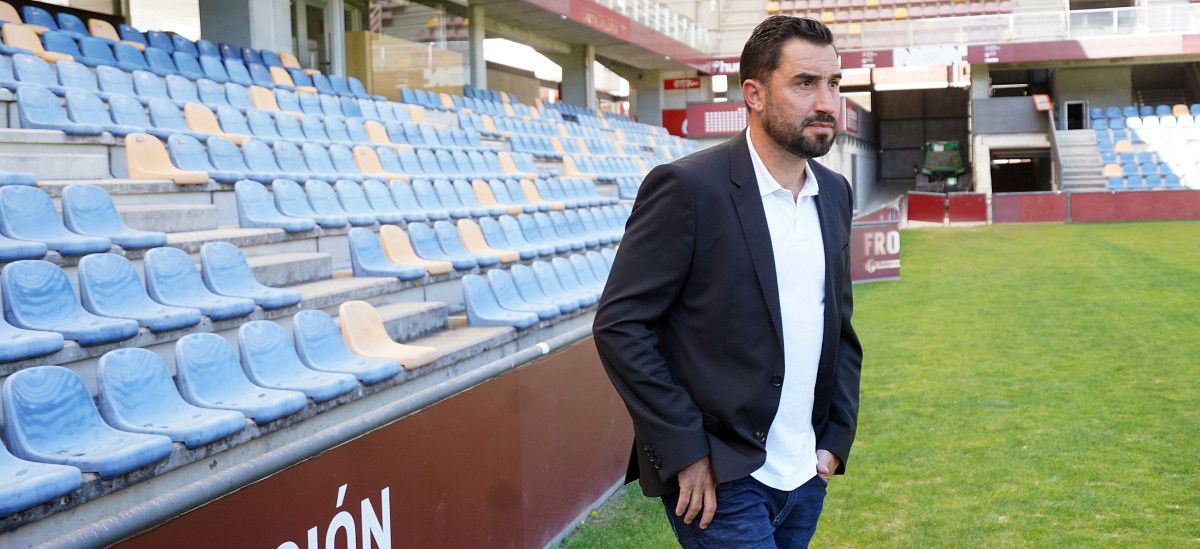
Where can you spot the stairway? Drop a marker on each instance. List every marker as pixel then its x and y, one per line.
pixel 1080 156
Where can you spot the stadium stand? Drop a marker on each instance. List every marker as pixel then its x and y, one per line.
pixel 450 199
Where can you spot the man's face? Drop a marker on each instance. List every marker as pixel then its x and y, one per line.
pixel 800 101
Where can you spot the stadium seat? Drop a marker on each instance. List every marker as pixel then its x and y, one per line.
pixel 29 70
pixel 429 199
pixel 212 68
pixel 425 244
pixel 586 274
pixel 237 71
pixel 225 272
pixel 104 30
pixel 38 18
pixel 63 43
pixel 24 484
pixel 324 201
pixel 171 279
pixel 163 41
pixel 504 289
pixel 49 417
pixel 147 158
pixel 27 213
pixel 381 199
pixel 354 201
pixel 364 334
pixel 609 255
pixel 293 202
pixel 451 243
pixel 129 59
pixel 397 247
pixel 473 240
pixel 484 310
pixel 22 38
pixel 109 286
pixel 160 62
pixel 201 120
pixel 257 209
pixel 320 347
pixel 367 258
pixel 344 164
pixel 38 296
pixel 168 119
pixel 85 108
pixel 534 233
pixel 486 198
pixel 517 237
pixel 71 75
pixel 316 157
pixel 238 96
pixel 256 157
pixel 550 281
pixel 149 86
pixel 189 154
pixel 136 394
pixel 88 210
pixel 531 291
pixel 493 235
pixel 269 358
pixel 369 164
pixel 209 374
pixel 504 195
pixel 449 197
pixel 39 108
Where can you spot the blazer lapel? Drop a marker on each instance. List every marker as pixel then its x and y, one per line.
pixel 832 253
pixel 748 203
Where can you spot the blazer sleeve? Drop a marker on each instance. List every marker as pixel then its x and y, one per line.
pixel 646 278
pixel 843 408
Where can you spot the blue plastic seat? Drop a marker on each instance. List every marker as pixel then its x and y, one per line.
pixel 344 163
pixel 289 128
pixel 354 200
pixel 504 196
pixel 27 213
pixel 466 195
pixel 257 209
pixel 72 23
pixel 237 72
pixel 310 104
pixel 368 109
pixel 269 358
pixel 62 42
pixel 187 153
pixel 228 51
pixel 350 108
pixel 136 394
pixel 171 279
pixel 168 119
pixel 24 484
pixel 335 129
pixel 533 233
pixel 381 199
pixel 571 280
pixel 232 121
pixel 609 256
pixel 367 258
pixel 129 58
pixel 586 268
pixel 340 86
pixel 320 346
pixel 73 75
pixel 271 58
pixel 160 40
pixel 85 108
pixel 287 100
pixel 114 81
pixel 187 66
pixel 131 34
pixel 330 106
pixel 427 195
pixel 451 242
pixel 450 199
pixel 550 281
pixel 292 201
pixel 34 15
pixel 209 374
pixel 575 222
pixel 259 75
pixel 357 88
pixel 261 124
pixel 291 162
pixel 531 290
pixel 50 417
pixel 160 62
pixel 507 295
pixel 181 90
pixel 214 69
pixel 38 296
pixel 109 286
pixel 225 272
pixel 493 234
pixel 211 93
pixel 425 244
pixel 198 48
pixel 324 201
pixel 256 156
pixel 517 238
pixel 316 157
pixel 39 108
pixel 484 310
pixel 31 70
pixel 551 231
pixel 251 55
pixel 321 82
pixel 88 210
pixel 300 78
pixel 238 96
pixel 406 200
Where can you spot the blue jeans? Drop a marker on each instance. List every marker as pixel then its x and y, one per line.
pixel 752 514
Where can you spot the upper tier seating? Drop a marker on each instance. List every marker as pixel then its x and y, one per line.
pixel 50 417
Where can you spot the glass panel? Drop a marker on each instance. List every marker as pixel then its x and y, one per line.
pixel 409 45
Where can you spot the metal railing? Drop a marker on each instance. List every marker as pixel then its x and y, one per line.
pixel 659 17
pixel 1027 27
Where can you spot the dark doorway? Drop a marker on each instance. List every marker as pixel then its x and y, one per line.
pixel 1076 115
pixel 1021 171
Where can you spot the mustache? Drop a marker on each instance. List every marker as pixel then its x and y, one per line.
pixel 820 119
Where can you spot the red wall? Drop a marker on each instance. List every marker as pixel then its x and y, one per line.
pixel 967 207
pixel 1029 208
pixel 926 207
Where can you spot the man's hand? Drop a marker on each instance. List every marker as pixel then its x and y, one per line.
pixel 827 463
pixel 697 493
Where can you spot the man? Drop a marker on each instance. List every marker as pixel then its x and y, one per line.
pixel 725 324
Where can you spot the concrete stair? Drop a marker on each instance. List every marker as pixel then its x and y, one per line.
pixel 51 154
pixel 290 269
pixel 408 320
pixel 1080 156
pixel 170 218
pixel 329 293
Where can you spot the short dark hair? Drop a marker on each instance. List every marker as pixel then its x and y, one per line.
pixel 760 55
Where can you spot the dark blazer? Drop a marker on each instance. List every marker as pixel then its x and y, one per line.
pixel 689 326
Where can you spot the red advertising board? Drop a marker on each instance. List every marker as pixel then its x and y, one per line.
pixel 874 251
pixel 929 207
pixel 967 207
pixel 675 121
pixel 715 119
pixel 848 121
pixel 682 83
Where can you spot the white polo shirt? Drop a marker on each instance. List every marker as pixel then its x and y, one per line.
pixel 800 271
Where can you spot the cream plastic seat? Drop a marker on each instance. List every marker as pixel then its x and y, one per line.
pixel 557 146
pixel 147 158
pixel 21 36
pixel 571 169
pixel 201 119
pixel 365 335
pixel 472 237
pixel 289 61
pixel 262 99
pixel 8 14
pixel 398 249
pixel 1112 170
pixel 377 133
pixel 510 166
pixel 483 193
pixel 417 114
pixel 489 124
pixel 103 29
pixel 534 197
pixel 447 101
pixel 281 77
pixel 368 163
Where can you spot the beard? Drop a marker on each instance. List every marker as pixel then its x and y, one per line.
pixel 792 138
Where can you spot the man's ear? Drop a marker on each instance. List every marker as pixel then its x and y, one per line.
pixel 752 93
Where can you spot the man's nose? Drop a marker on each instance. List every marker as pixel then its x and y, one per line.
pixel 826 100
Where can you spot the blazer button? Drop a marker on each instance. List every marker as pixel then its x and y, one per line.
pixel 776 381
pixel 760 436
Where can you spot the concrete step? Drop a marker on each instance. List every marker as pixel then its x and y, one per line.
pixel 409 320
pixel 192 241
pixel 458 343
pixel 51 154
pixel 170 218
pixel 328 294
pixel 289 269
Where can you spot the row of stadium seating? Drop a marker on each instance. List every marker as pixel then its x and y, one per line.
pixel 1129 111
pixel 524 295
pixel 861 11
pixel 1139 122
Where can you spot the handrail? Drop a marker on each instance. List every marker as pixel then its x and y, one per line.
pixel 1056 167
